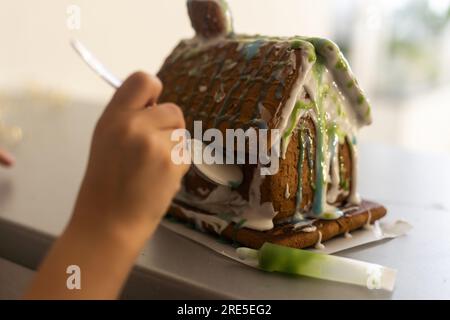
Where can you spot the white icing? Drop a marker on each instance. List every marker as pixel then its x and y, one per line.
pixel 368 226
pixel 296 91
pixel 297 217
pixel 347 124
pixel 309 229
pixel 354 197
pixel 258 216
pixel 339 113
pixel 303 224
pixel 319 245
pixel 287 194
pixel 334 191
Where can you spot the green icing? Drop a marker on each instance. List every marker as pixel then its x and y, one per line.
pixel 369 113
pixel 276 258
pixel 341 65
pixel 328 216
pixel 296 44
pixel 324 131
pixel 324 49
pixel 299 106
pixel 340 110
pixel 361 99
pixel 234 185
pixel 345 184
pixel 351 84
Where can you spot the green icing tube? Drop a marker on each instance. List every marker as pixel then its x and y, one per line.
pixel 276 258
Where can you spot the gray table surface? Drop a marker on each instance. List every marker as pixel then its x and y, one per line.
pixel 36 199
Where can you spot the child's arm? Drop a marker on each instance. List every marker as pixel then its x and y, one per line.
pixel 129 183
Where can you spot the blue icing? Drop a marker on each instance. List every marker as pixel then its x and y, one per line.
pixel 319 203
pixel 252 49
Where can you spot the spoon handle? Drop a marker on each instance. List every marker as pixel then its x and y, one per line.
pixel 95 64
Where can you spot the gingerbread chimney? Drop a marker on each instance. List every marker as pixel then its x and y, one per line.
pixel 210 18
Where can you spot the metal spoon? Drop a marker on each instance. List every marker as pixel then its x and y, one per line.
pixel 220 174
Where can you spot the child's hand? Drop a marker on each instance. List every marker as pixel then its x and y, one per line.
pixel 131 179
pixel 128 186
pixel 6 159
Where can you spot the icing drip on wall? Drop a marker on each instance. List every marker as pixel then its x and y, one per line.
pixel 333 147
pixel 368 226
pixel 354 195
pixel 319 245
pixel 336 116
pixel 318 90
pixel 334 120
pixel 258 216
pixel 287 193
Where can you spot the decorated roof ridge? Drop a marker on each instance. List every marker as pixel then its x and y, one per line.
pixel 338 65
pixel 335 61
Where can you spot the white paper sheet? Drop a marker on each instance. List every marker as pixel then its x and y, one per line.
pixel 379 231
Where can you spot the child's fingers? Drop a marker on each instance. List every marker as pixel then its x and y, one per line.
pixel 165 116
pixel 6 159
pixel 137 92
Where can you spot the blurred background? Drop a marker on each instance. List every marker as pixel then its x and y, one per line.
pixel 399 50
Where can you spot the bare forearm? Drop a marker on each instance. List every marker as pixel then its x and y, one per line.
pixel 129 183
pixel 104 254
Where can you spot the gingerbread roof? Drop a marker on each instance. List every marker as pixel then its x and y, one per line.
pixel 233 81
